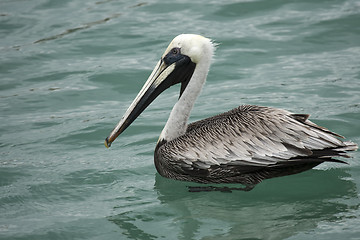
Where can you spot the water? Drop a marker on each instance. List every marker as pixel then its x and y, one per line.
pixel 69 70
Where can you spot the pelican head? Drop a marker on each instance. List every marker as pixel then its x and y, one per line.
pixel 186 56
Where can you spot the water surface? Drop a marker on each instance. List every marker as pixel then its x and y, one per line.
pixel 69 70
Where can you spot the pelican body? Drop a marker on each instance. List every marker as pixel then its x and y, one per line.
pixel 245 145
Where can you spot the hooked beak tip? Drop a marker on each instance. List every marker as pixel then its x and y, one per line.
pixel 107 143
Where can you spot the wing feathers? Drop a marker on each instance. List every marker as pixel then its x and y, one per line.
pixel 256 137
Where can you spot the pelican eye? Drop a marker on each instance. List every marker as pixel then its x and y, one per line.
pixel 175 51
pixel 172 56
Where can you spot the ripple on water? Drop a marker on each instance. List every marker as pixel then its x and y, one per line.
pixel 70 69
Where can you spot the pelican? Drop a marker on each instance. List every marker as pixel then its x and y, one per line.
pixel 245 145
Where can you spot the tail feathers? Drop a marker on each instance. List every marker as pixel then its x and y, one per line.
pixel 328 154
pixel 334 160
pixel 349 146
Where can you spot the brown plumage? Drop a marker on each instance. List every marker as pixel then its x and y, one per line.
pixel 247 145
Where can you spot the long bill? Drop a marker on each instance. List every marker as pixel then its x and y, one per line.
pixel 170 70
pixel 152 88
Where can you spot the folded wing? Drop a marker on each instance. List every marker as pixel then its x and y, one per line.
pixel 249 138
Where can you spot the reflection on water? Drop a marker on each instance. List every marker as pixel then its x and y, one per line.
pixel 273 210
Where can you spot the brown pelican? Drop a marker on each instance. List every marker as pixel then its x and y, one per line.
pixel 245 145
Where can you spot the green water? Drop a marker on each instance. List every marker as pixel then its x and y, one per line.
pixel 69 70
